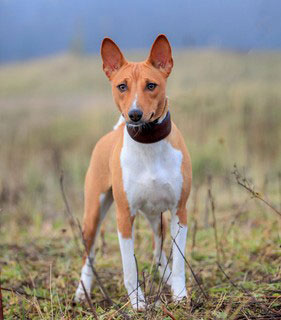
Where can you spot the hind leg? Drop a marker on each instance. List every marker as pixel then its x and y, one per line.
pixel 96 207
pixel 159 225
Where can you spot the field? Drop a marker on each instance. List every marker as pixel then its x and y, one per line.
pixel 228 107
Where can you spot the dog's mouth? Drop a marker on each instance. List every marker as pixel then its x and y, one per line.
pixel 142 123
pixel 138 124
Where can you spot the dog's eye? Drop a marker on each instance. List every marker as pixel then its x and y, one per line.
pixel 122 87
pixel 151 86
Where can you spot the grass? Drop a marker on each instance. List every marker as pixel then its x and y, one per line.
pixel 53 111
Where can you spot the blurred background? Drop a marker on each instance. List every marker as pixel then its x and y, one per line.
pixel 55 103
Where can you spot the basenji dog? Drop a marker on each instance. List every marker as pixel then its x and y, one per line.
pixel 143 165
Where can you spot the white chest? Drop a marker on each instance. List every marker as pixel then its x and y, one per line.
pixel 152 177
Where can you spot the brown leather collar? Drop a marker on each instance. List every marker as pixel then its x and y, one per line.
pixel 151 132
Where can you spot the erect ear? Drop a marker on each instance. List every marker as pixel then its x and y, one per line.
pixel 112 57
pixel 161 55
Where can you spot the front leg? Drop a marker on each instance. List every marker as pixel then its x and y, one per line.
pixel 178 233
pixel 126 241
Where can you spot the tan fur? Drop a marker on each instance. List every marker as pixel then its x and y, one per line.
pixel 177 141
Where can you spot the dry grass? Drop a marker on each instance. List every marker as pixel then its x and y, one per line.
pixel 52 112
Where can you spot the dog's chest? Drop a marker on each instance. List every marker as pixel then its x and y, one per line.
pixel 151 173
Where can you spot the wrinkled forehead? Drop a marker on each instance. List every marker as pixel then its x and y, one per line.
pixel 138 71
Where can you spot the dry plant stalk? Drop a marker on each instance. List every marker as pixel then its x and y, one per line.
pixel 23 293
pixel 193 217
pixel 243 182
pixel 1 305
pixel 279 186
pixel 267 309
pixel 168 313
pixel 76 224
pixel 192 272
pixel 71 219
pixel 212 202
pixel 89 301
pixel 137 267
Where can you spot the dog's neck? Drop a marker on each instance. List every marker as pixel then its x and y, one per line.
pixel 152 132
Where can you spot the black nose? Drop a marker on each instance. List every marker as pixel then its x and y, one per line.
pixel 135 115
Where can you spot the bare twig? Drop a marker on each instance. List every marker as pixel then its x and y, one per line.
pixel 157 262
pixel 119 310
pixel 206 213
pixel 89 301
pixel 159 291
pixel 243 182
pixel 279 187
pixel 207 203
pixel 23 293
pixel 212 202
pixel 193 217
pixel 168 313
pixel 144 287
pixel 192 272
pixel 195 229
pixel 137 267
pixel 241 288
pixel 70 216
pixel 1 305
pixel 103 291
pixel 74 223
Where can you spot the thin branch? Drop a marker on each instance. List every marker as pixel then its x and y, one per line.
pixel 241 288
pixel 243 182
pixel 89 301
pixel 193 273
pixel 74 223
pixel 70 215
pixel 166 266
pixel 195 229
pixel 279 187
pixel 23 293
pixel 1 305
pixel 136 261
pixel 168 313
pixel 212 202
pixel 103 291
pixel 157 262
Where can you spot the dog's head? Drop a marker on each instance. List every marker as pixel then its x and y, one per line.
pixel 139 88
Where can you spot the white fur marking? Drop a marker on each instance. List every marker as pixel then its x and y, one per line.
pixel 178 232
pixel 135 103
pixel 152 177
pixel 130 272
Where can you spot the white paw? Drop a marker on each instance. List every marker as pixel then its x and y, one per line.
pixel 80 294
pixel 137 301
pixel 179 296
pixel 138 306
pixel 178 289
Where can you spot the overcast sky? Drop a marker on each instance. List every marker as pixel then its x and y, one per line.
pixel 32 28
